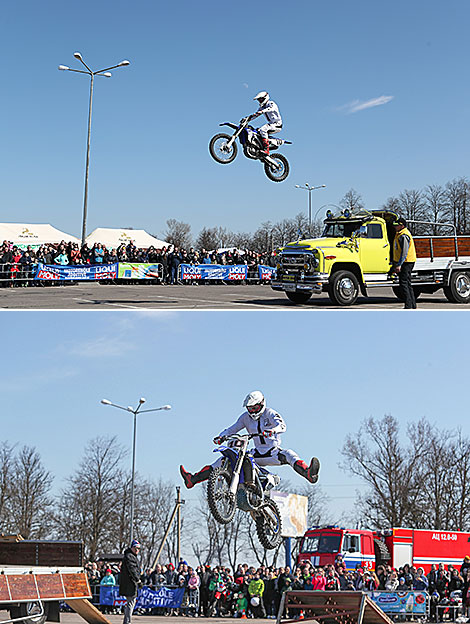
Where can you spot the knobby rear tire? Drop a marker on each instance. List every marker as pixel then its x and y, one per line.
pixel 271 172
pixel 269 533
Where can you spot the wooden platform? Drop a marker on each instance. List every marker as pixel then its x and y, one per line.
pixel 441 246
pixel 44 587
pixel 331 607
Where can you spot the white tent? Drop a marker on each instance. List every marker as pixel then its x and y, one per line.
pixel 34 234
pixel 113 237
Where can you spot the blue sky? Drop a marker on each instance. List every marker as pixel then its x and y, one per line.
pixel 324 374
pixel 195 64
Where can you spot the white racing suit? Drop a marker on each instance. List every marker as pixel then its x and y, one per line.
pixel 274 119
pixel 268 451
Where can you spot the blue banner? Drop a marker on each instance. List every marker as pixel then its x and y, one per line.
pixel 147 598
pixel 400 601
pixel 232 272
pixel 76 272
pixel 266 273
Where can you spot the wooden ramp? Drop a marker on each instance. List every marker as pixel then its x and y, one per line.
pixel 87 611
pixel 331 607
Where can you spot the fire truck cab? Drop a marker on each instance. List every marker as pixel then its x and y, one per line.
pixel 321 546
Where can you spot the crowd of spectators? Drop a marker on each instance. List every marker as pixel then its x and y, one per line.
pixel 256 592
pixel 17 265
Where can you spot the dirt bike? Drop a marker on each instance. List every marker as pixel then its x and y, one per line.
pixel 223 149
pixel 239 483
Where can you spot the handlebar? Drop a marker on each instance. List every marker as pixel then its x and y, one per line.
pixel 237 436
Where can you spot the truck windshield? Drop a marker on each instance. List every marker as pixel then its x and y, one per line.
pixel 340 229
pixel 322 543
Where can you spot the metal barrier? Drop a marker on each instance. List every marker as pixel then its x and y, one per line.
pixel 22 275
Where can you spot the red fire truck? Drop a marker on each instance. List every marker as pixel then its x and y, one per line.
pixel 395 547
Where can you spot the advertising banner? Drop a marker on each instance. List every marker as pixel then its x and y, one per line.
pixel 147 598
pixel 266 273
pixel 139 270
pixel 232 272
pixel 76 273
pixel 294 512
pixel 400 601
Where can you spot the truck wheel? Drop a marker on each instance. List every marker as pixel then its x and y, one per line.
pixel 343 289
pixel 298 297
pixel 458 290
pixel 31 609
pixel 418 290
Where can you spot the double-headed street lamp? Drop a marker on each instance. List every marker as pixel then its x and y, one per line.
pixel 107 74
pixel 135 411
pixel 309 188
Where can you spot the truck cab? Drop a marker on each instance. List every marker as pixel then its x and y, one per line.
pixel 320 546
pixel 354 249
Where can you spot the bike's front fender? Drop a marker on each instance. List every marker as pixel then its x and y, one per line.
pixel 229 453
pixel 230 125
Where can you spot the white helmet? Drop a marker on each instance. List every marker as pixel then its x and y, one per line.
pixel 255 404
pixel 262 97
pixel 255 601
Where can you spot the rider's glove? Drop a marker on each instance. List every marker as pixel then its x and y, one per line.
pixel 218 439
pixel 268 434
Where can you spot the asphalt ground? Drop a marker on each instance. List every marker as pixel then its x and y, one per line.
pixel 96 296
pixel 74 618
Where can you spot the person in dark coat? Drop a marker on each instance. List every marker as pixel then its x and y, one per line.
pixel 129 579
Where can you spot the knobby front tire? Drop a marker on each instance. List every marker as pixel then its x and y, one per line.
pixel 220 152
pixel 222 502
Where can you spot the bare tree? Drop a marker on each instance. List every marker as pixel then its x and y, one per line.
pixel 376 455
pixel 6 475
pixel 435 206
pixel 154 505
pixel 87 508
pixel 178 233
pixel 392 204
pixel 458 204
pixel 413 208
pixel 352 201
pixel 30 501
pixel 263 237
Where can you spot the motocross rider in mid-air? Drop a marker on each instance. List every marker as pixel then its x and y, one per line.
pixel 270 109
pixel 268 424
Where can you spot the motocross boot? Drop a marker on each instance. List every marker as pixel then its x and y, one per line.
pixel 265 143
pixel 308 472
pixel 190 480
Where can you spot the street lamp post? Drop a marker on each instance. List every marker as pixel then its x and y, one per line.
pixel 107 74
pixel 135 411
pixel 309 188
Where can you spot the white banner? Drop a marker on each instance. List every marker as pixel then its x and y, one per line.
pixel 294 513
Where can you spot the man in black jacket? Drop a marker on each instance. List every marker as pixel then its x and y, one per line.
pixel 129 579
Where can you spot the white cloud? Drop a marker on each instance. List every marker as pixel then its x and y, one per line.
pixel 356 105
pixel 102 346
